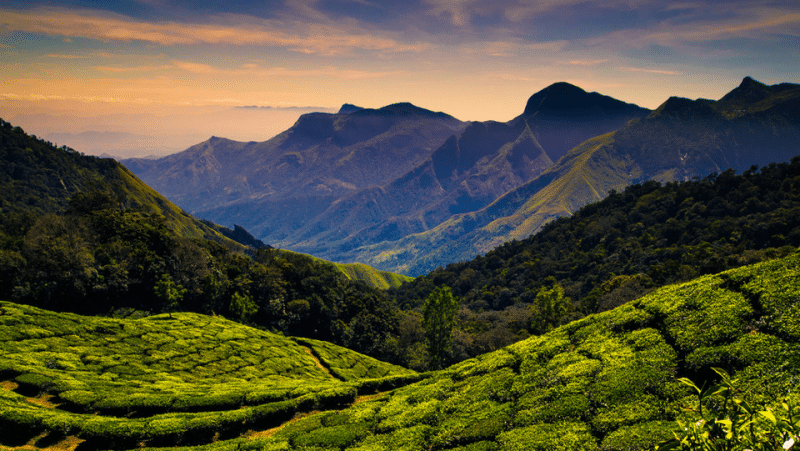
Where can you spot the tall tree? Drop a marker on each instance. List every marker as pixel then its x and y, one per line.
pixel 439 314
pixel 549 307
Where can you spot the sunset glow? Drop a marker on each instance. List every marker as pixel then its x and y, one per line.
pixel 86 66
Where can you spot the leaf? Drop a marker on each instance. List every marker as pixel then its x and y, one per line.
pixel 769 415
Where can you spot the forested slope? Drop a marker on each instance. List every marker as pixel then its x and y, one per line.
pixel 82 234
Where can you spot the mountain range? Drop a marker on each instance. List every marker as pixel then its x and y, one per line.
pixel 337 182
pixel 754 124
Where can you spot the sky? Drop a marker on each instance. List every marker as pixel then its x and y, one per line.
pixel 139 77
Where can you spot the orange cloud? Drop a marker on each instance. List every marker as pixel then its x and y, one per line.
pixel 319 39
pixel 651 71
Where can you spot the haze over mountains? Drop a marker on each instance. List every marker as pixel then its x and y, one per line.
pixel 406 189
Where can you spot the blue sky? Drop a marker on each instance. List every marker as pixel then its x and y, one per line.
pixel 474 59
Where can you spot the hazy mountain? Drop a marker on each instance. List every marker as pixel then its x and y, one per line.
pixel 467 173
pixel 322 188
pixel 273 188
pixel 754 124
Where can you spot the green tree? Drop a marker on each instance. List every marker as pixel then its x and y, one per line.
pixel 242 306
pixel 439 314
pixel 549 307
pixel 169 293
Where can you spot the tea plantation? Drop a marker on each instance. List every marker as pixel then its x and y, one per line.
pixel 164 380
pixel 606 382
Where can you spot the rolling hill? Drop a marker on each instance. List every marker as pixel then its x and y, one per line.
pixel 754 124
pixel 606 382
pixel 183 378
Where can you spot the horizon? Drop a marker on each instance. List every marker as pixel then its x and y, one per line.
pixel 165 77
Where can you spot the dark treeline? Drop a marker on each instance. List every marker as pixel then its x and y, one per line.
pixel 70 240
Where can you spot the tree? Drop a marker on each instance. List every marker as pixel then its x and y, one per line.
pixel 242 306
pixel 169 293
pixel 438 320
pixel 549 308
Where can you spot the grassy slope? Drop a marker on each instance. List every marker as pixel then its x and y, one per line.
pixel 605 382
pixel 373 277
pixel 164 380
pixel 382 280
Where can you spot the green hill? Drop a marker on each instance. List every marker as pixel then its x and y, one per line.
pixel 184 378
pixel 36 178
pixel 606 382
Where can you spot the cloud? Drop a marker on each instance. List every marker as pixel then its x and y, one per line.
pixel 729 21
pixel 323 39
pixel 130 69
pixel 513 48
pixel 585 62
pixel 68 57
pixel 651 71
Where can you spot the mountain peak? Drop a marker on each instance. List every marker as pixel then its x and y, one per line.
pixel 564 100
pixel 401 109
pixel 683 108
pixel 748 91
pixel 560 96
pixel 748 82
pixel 348 108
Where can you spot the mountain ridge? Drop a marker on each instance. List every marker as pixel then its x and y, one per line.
pixel 679 140
pixel 467 172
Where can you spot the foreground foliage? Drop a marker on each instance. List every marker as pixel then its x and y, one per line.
pixel 723 420
pixel 610 381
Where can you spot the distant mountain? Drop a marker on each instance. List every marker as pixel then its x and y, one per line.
pixel 465 174
pixel 319 188
pixel 275 187
pixel 754 124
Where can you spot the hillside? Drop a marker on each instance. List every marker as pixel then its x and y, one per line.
pixel 606 382
pixel 680 140
pixel 183 378
pixel 616 250
pixel 82 234
pixel 36 178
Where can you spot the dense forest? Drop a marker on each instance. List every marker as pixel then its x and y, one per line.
pixel 81 234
